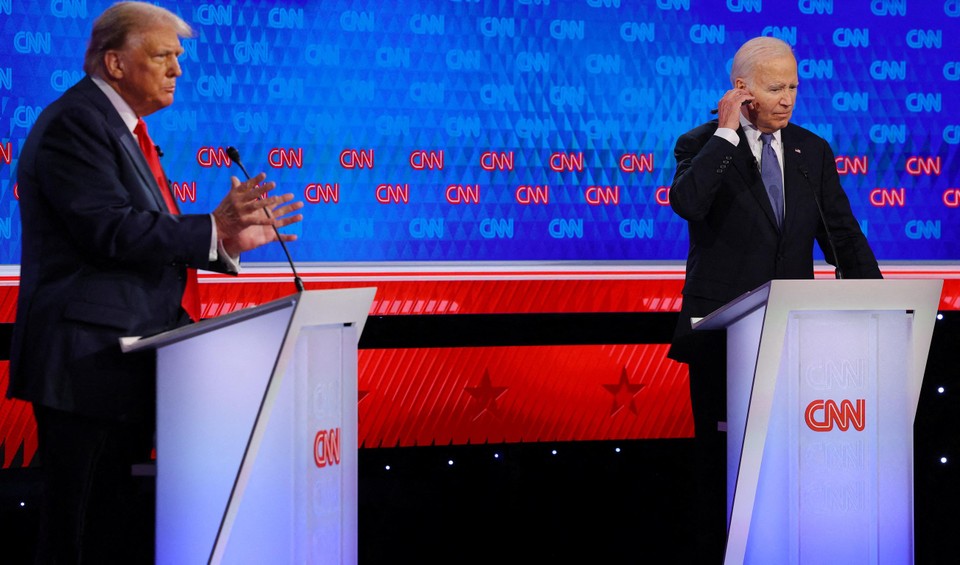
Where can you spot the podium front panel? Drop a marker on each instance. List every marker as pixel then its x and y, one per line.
pixel 207 404
pixel 309 447
pixel 836 477
pixel 834 416
pixel 820 435
pixel 257 440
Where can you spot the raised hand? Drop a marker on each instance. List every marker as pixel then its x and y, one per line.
pixel 728 108
pixel 246 218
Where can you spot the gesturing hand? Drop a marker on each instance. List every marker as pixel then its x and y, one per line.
pixel 246 217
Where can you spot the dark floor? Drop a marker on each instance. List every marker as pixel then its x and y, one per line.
pixel 585 502
pixel 604 502
pixel 517 503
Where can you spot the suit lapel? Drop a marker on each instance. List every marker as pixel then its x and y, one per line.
pixel 751 176
pixel 140 162
pixel 796 187
pixel 128 142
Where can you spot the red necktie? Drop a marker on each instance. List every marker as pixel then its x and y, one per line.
pixel 190 301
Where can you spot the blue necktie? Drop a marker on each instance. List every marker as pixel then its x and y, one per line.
pixel 772 177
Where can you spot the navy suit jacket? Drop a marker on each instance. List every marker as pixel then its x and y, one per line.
pixel 735 244
pixel 101 258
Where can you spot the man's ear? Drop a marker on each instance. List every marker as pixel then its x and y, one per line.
pixel 113 65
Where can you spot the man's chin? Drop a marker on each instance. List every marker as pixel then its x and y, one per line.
pixel 774 125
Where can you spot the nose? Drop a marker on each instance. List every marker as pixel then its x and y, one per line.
pixel 175 69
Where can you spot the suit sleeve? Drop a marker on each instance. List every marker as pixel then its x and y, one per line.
pixel 90 183
pixel 701 164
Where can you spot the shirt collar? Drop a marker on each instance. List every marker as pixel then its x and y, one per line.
pixel 752 133
pixel 127 114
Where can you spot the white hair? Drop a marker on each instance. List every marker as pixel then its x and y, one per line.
pixel 754 52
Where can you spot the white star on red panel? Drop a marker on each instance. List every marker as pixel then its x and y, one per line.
pixel 623 393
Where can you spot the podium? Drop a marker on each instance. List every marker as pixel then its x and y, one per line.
pixel 823 381
pixel 257 432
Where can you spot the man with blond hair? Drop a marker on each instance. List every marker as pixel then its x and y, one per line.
pixel 753 188
pixel 106 253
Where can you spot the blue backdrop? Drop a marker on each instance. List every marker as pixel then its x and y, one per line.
pixel 527 130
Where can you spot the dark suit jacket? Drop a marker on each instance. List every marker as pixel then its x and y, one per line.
pixel 735 245
pixel 101 259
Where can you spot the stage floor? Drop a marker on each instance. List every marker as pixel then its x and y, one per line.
pixel 599 502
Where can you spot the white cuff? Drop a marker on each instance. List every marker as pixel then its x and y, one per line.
pixel 729 134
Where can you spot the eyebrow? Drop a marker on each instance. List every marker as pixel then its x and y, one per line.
pixel 165 51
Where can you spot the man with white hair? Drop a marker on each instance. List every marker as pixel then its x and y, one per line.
pixel 749 185
pixel 106 253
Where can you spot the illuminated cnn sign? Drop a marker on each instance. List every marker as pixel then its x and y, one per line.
pixel 821 415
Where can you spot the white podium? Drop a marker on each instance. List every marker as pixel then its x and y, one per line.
pixel 257 433
pixel 823 381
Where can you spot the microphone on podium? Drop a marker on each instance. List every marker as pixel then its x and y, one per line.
pixel 838 272
pixel 235 157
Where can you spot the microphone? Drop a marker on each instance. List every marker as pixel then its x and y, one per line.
pixel 823 219
pixel 235 157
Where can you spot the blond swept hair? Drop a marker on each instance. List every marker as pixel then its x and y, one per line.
pixel 115 27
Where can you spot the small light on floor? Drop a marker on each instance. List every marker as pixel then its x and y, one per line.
pixel 939 315
pixel 450 462
pixel 387 467
pixel 940 389
pixel 616 449
pixel 496 456
pixel 943 460
pixel 23 504
pixel 553 451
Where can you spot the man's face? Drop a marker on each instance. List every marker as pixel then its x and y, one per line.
pixel 146 69
pixel 774 88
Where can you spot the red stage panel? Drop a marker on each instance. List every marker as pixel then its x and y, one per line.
pixel 444 296
pixel 17 427
pixel 445 396
pixel 475 395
